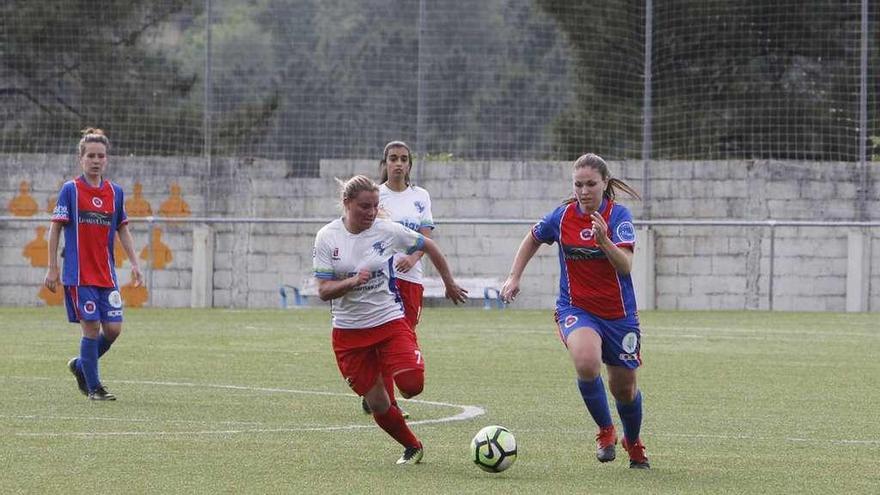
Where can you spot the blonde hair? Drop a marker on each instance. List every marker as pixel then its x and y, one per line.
pixel 350 188
pixel 92 135
pixel 598 164
pixel 383 165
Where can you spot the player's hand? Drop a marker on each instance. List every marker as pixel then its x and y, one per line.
pixel 509 290
pixel 456 293
pixel 405 263
pixel 52 279
pixel 361 277
pixel 600 229
pixel 137 278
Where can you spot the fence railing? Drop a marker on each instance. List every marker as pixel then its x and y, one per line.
pixel 854 265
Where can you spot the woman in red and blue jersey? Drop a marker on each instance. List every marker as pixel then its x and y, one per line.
pixel 596 310
pixel 90 211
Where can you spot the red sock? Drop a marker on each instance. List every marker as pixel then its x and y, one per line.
pixel 389 387
pixel 393 424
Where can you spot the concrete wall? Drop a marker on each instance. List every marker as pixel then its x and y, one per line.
pixel 693 267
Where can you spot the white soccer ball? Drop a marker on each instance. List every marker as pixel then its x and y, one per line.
pixel 493 449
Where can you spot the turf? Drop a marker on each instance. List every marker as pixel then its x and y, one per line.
pixel 222 401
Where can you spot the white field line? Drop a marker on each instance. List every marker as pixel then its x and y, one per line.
pixel 467 412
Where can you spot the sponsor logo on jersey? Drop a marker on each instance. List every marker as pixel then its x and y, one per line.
pixel 379 247
pixel 97 202
pixel 335 255
pixel 60 211
pixel 95 218
pixel 626 232
pixel 630 342
pixel 570 321
pixel 581 253
pixel 115 299
pixel 89 307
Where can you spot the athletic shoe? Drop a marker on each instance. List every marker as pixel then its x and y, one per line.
pixel 412 455
pixel 101 393
pixel 605 442
pixel 80 378
pixel 365 406
pixel 638 459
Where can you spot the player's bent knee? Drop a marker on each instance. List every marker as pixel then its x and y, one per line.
pixel 410 383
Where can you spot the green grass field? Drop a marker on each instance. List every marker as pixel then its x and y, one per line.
pixel 217 401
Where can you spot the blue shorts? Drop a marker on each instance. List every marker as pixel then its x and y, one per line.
pixel 89 303
pixel 621 339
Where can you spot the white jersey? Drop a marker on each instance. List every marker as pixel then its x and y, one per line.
pixel 339 254
pixel 412 209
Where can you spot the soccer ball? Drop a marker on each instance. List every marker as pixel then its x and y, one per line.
pixel 493 449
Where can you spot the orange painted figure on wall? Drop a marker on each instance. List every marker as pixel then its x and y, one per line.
pixel 137 206
pixel 161 254
pixel 51 298
pixel 23 204
pixel 175 205
pixel 134 297
pixel 38 249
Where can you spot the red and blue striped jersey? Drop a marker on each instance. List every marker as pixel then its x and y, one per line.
pixel 91 216
pixel 587 278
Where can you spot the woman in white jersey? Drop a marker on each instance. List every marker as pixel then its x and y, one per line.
pixel 410 206
pixel 353 262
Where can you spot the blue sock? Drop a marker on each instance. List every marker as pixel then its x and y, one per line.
pixel 593 393
pixel 88 361
pixel 103 345
pixel 631 417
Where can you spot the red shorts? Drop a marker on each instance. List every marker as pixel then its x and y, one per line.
pixel 363 354
pixel 411 295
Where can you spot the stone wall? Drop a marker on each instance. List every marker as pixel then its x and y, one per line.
pixel 694 267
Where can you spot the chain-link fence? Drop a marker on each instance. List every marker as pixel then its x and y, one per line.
pixel 302 80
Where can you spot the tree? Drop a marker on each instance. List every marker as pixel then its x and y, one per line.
pixel 68 64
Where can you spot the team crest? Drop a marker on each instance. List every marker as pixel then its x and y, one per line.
pixel 335 254
pixel 630 342
pixel 379 248
pixel 570 321
pixel 97 202
pixel 115 299
pixel 587 234
pixel 419 206
pixel 626 232
pixel 89 307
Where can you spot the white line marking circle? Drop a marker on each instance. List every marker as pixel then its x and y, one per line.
pixel 467 412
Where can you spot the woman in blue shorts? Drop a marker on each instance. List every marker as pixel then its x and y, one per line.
pixel 596 310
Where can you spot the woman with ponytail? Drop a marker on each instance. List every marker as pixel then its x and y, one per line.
pixel 596 309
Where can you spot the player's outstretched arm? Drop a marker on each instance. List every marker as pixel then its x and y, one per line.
pixel 527 249
pixel 453 291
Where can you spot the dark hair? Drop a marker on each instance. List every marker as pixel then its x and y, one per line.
pixel 92 135
pixel 383 165
pixel 596 162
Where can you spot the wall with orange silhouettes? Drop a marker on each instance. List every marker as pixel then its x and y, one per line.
pixel 251 261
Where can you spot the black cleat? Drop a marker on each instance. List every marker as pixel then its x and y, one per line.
pixel 101 393
pixel 412 455
pixel 606 439
pixel 80 378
